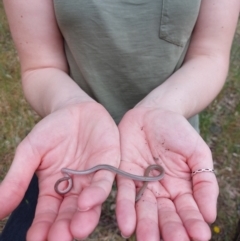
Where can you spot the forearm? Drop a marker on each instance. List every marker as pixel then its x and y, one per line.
pixel 44 67
pixel 190 89
pixel 47 89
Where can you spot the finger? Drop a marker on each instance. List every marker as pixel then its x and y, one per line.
pixel 147 218
pixel 60 230
pixel 170 224
pixel 46 213
pixel 205 187
pixel 97 192
pixel 83 223
pixel 125 209
pixel 17 180
pixel 192 219
pixel 89 204
pixel 205 192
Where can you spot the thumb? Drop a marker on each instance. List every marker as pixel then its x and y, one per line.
pixel 15 184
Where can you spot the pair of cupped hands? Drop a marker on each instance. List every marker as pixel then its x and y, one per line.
pixel 80 136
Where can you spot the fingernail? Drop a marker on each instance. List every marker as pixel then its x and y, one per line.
pixel 125 236
pixel 84 209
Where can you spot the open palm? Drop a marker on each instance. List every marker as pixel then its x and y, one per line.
pixel 179 207
pixel 79 137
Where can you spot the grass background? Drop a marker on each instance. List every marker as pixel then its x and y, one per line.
pixel 220 127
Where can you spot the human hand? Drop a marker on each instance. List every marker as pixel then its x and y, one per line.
pixel 179 207
pixel 79 136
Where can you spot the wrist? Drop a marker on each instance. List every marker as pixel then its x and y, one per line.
pixel 50 89
pixel 72 101
pixel 164 103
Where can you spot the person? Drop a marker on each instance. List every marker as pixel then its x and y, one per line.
pixel 116 83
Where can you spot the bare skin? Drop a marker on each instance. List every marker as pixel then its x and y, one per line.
pixel 62 140
pixel 178 201
pixel 72 136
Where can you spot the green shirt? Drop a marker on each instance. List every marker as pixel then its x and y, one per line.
pixel 120 50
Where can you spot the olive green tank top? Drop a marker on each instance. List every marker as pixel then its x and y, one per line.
pixel 120 50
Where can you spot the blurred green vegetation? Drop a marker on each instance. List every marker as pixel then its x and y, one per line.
pixel 220 127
